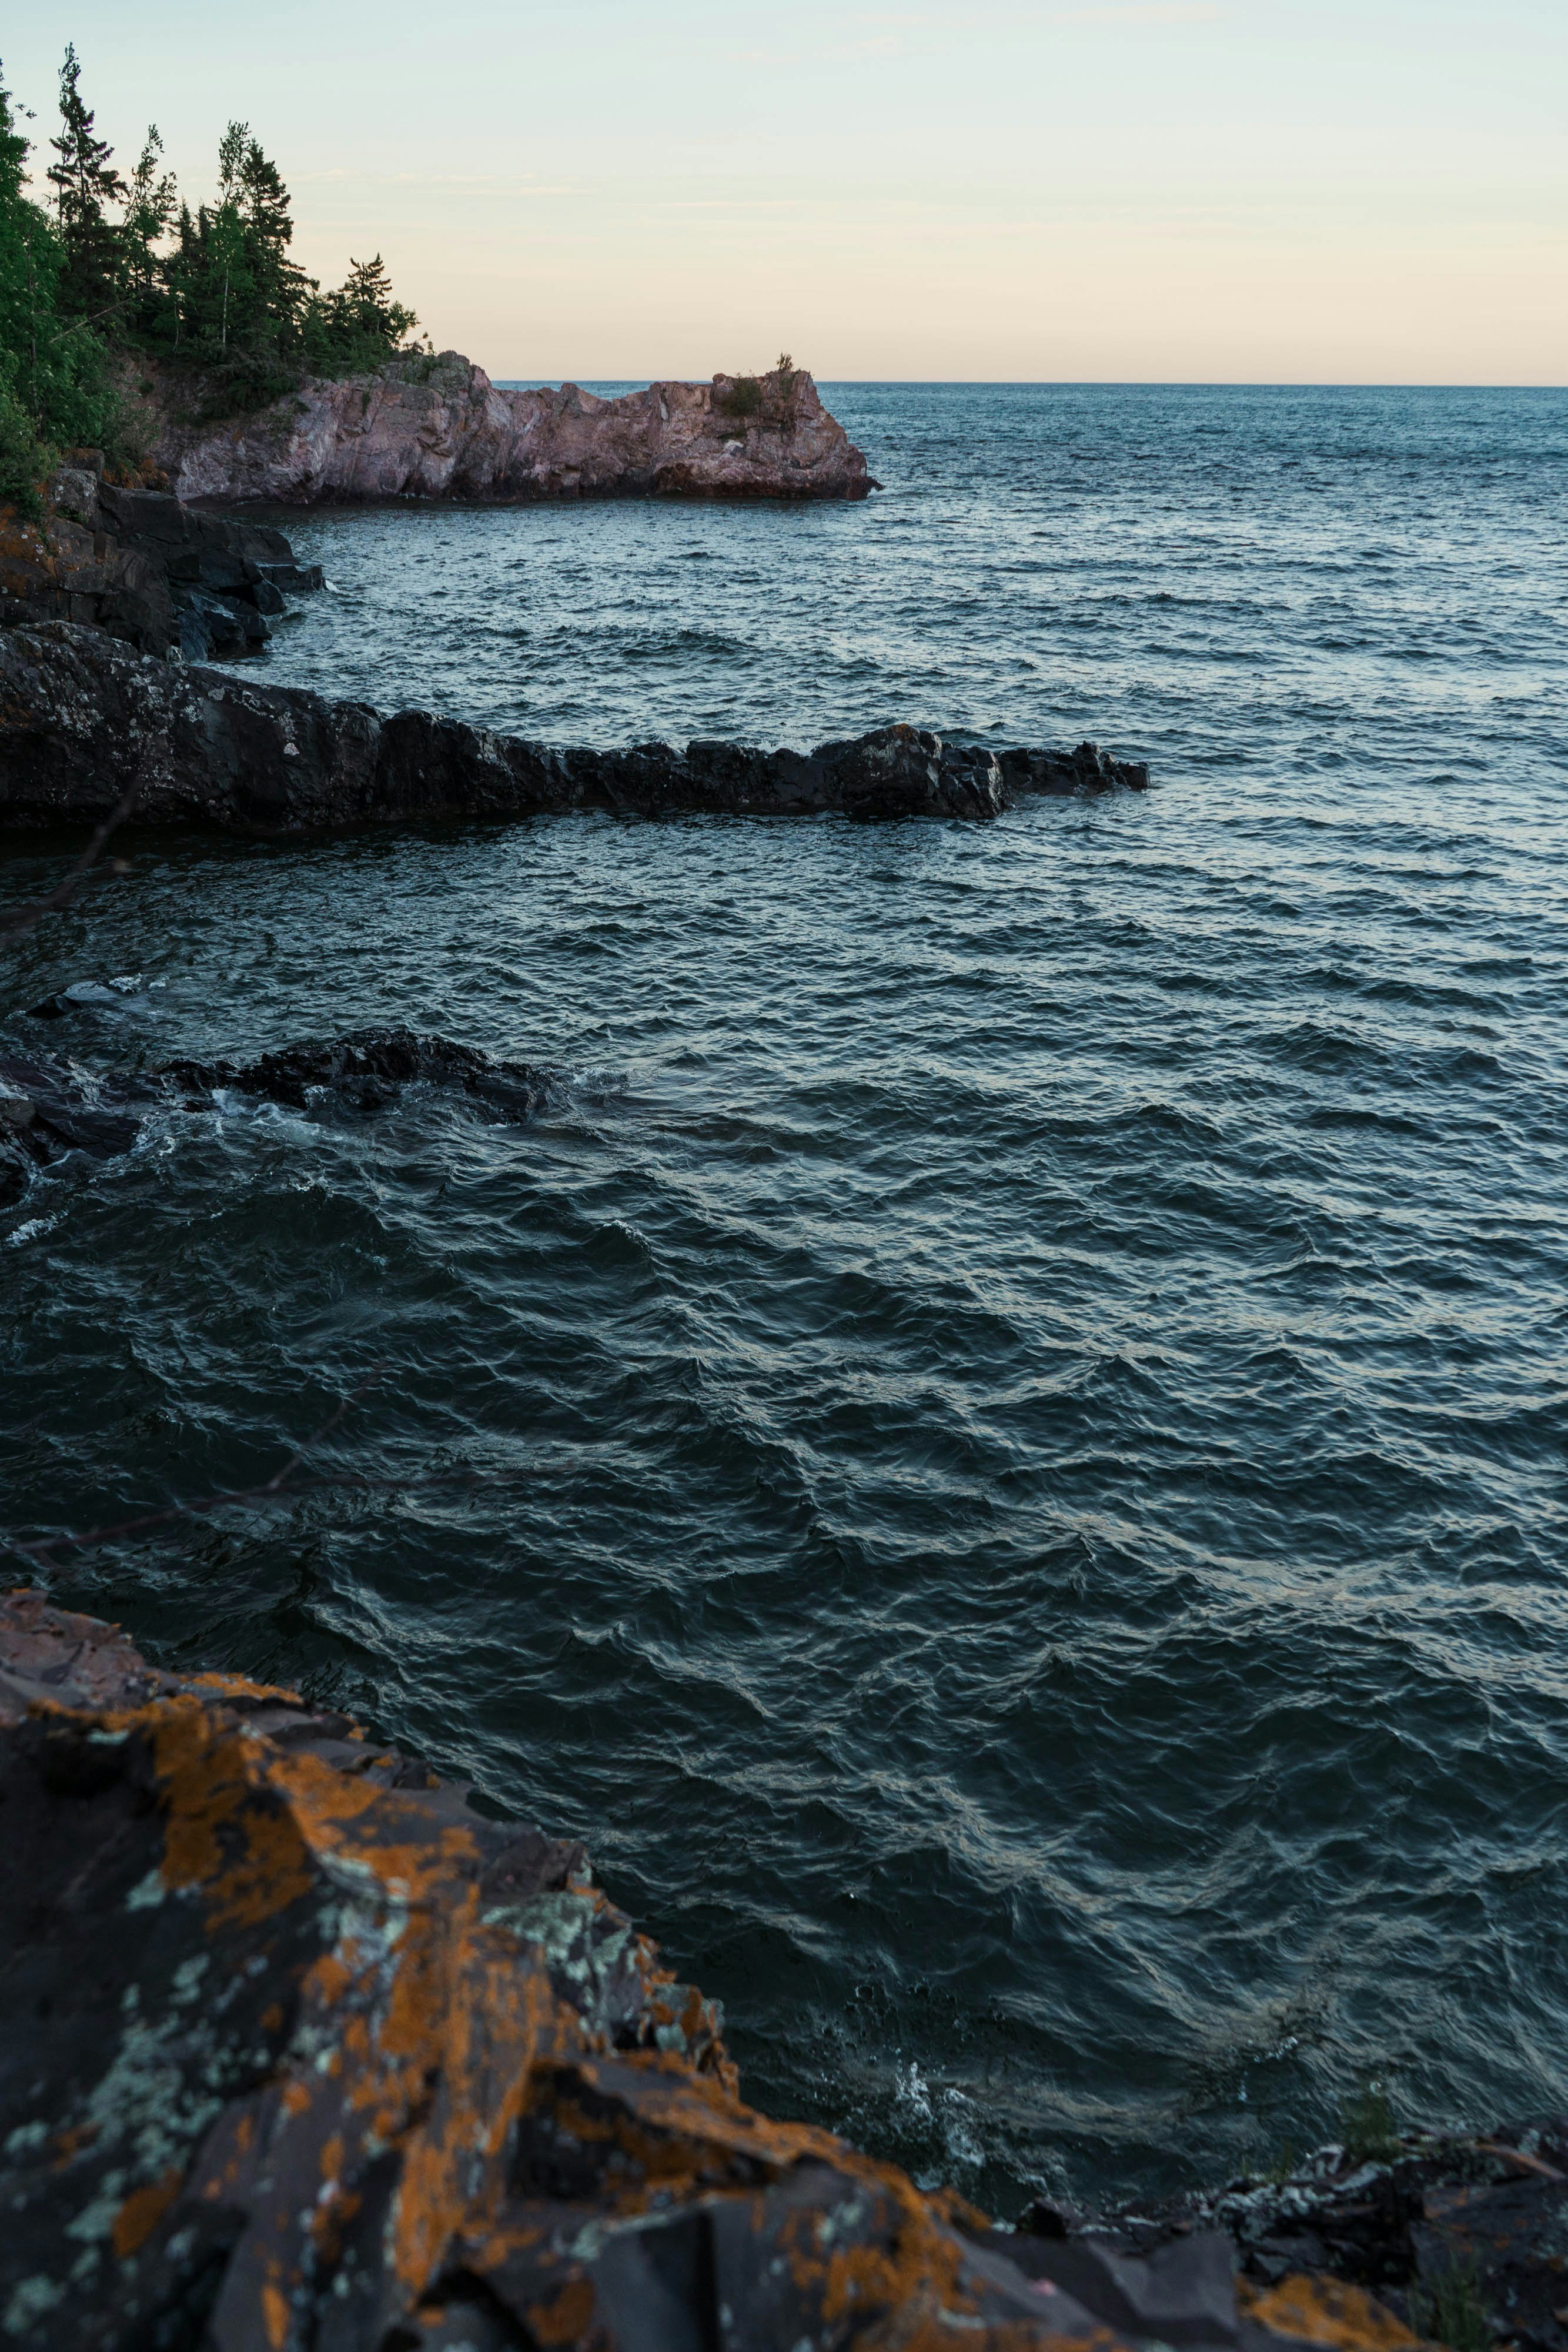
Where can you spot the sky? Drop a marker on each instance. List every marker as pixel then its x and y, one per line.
pixel 1209 190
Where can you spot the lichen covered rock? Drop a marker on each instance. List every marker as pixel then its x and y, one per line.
pixel 296 2049
pixel 299 2053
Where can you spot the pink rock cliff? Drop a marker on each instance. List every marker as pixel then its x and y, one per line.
pixel 438 429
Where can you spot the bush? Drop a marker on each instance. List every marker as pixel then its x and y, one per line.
pixel 742 396
pixel 24 460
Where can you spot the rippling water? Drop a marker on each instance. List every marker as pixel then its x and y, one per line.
pixel 999 1450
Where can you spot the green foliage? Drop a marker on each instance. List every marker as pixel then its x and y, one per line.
pixel 85 184
pixel 359 326
pixel 1368 2126
pixel 23 459
pixel 58 379
pixel 1448 2310
pixel 772 395
pixel 120 271
pixel 1283 2166
pixel 150 205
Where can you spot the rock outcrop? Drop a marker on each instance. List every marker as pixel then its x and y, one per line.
pixel 146 569
pixel 299 2053
pixel 438 429
pixel 81 717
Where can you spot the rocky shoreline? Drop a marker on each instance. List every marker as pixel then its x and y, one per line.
pixel 434 426
pixel 83 719
pixel 300 2053
pixel 109 608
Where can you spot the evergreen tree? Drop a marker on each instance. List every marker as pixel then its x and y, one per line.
pixel 215 290
pixel 360 316
pixel 150 208
pixel 85 182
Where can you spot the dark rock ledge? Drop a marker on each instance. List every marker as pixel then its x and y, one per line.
pixel 147 569
pixel 81 715
pixel 299 2053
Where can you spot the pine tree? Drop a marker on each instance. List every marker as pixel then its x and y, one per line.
pixel 149 206
pixel 85 182
pixel 280 287
pixel 363 319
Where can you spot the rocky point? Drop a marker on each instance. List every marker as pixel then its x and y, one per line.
pixel 437 427
pixel 83 719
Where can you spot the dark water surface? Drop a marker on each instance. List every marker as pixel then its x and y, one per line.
pixel 999 1450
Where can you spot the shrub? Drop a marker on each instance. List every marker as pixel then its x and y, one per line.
pixel 742 396
pixel 24 461
pixel 1368 2126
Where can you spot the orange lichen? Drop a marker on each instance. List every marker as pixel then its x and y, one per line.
pixel 68 2144
pixel 1324 2310
pixel 426 2035
pixel 222 1834
pixel 275 2314
pixel 241 1686
pixel 565 2317
pixel 143 2210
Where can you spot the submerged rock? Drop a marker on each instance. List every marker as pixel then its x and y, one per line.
pixel 80 717
pixel 49 1106
pixel 437 427
pixel 299 2053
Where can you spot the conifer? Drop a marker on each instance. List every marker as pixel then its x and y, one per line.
pixel 85 182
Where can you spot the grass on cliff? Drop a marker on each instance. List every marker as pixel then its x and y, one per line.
pixel 1448 2310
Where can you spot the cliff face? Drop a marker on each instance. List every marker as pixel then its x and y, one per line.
pixel 145 568
pixel 440 428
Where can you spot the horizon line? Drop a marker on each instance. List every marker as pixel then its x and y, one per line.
pixel 1069 382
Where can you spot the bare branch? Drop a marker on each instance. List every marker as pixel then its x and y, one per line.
pixel 276 1489
pixel 17 921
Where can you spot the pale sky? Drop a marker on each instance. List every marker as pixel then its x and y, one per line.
pixel 1356 191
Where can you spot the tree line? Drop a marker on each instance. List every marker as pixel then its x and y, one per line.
pixel 112 270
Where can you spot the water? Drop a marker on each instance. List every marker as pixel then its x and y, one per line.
pixel 999 1450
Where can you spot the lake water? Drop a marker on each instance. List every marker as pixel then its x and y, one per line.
pixel 999 1452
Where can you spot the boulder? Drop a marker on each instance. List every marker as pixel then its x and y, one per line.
pixel 49 1106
